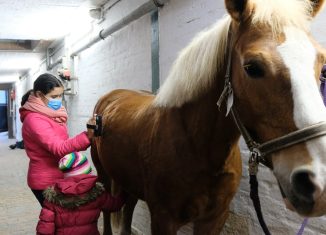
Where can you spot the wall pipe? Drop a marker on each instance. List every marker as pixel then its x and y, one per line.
pixel 136 14
pixel 52 65
pixel 49 53
pixel 155 52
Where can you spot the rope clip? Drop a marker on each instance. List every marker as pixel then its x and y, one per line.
pixel 253 162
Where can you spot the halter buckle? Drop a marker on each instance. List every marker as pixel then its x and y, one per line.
pixel 253 162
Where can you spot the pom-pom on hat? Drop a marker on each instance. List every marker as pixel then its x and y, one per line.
pixel 74 163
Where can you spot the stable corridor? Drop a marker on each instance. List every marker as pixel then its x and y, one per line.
pixel 19 209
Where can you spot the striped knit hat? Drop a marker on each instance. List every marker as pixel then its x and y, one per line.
pixel 74 163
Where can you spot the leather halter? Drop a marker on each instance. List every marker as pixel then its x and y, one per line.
pixel 260 151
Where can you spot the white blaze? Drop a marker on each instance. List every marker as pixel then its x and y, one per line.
pixel 299 55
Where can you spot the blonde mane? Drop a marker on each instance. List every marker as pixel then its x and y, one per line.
pixel 281 13
pixel 197 65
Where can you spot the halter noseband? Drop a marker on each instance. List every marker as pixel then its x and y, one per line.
pixel 292 138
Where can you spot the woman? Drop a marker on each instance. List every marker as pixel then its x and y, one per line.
pixel 45 133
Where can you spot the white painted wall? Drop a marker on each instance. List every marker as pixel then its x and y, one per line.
pixel 120 61
pixel 123 60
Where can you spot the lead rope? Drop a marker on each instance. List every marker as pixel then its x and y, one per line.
pixel 303 225
pixel 253 170
pixel 254 195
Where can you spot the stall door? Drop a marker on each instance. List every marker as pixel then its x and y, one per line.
pixel 3 111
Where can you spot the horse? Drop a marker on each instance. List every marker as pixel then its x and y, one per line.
pixel 179 152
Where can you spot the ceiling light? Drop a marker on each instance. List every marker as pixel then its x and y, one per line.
pixel 20 63
pixel 9 78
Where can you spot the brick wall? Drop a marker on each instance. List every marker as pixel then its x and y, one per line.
pixel 123 60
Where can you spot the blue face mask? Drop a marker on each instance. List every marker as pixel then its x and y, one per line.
pixel 54 104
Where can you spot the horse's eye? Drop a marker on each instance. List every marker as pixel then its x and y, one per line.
pixel 254 70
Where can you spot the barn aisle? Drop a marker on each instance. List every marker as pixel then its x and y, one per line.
pixel 19 209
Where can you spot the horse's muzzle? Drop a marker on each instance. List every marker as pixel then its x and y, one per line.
pixel 305 191
pixel 305 186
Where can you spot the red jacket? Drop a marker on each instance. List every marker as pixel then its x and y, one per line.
pixel 73 205
pixel 46 141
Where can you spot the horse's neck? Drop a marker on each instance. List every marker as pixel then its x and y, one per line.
pixel 212 133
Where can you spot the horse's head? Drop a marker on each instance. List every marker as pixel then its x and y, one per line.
pixel 275 69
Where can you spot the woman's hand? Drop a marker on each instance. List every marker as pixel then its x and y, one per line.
pixel 90 130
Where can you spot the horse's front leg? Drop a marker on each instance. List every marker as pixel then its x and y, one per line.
pixel 107 230
pixel 128 210
pixel 162 223
pixel 212 222
pixel 211 225
pixel 102 177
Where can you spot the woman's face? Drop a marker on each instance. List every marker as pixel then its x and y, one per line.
pixel 56 93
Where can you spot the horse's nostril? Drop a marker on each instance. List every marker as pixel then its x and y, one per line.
pixel 304 185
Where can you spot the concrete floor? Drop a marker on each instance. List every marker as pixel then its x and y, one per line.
pixel 19 209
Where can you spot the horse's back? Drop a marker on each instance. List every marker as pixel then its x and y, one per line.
pixel 132 98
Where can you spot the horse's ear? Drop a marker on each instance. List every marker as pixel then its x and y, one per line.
pixel 238 9
pixel 317 5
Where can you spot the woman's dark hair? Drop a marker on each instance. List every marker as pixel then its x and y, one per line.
pixel 25 97
pixel 45 83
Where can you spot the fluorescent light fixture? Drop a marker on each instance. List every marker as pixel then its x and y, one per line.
pixel 9 78
pixel 58 24
pixel 20 63
pixel 80 27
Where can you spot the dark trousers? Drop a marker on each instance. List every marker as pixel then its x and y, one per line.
pixel 39 196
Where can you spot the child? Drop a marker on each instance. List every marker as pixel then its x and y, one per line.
pixel 73 204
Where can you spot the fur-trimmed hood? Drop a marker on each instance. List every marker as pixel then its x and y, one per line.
pixel 74 191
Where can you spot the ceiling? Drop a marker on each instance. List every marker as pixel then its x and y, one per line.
pixel 28 27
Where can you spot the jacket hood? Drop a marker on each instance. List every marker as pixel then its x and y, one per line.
pixel 23 113
pixel 74 191
pixel 76 185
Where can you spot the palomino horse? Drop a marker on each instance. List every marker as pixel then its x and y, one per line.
pixel 178 152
